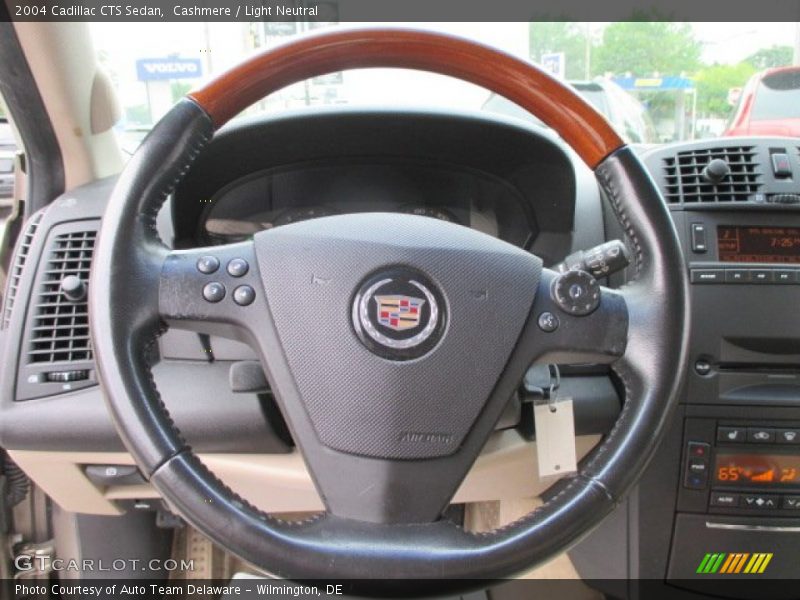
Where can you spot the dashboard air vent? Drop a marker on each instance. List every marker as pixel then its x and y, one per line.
pixel 688 181
pixel 60 331
pixel 19 264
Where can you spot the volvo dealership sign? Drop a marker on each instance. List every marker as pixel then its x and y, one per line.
pixel 161 69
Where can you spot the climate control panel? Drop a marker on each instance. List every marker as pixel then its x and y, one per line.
pixel 743 467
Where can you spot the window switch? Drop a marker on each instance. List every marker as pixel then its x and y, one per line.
pixel 699 241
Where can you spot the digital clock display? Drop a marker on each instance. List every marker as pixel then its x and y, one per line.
pixel 757 469
pixel 758 244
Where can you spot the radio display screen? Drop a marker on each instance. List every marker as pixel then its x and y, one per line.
pixel 758 244
pixel 774 470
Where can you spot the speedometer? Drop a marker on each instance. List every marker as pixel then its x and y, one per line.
pixel 434 212
pixel 303 213
pixel 229 230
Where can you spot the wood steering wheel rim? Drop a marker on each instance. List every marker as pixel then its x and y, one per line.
pixel 558 106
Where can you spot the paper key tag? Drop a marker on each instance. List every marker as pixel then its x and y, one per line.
pixel 555 437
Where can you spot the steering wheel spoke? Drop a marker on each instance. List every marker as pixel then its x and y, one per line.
pixel 213 289
pixel 558 336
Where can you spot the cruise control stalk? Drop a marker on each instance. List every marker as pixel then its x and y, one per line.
pixel 600 261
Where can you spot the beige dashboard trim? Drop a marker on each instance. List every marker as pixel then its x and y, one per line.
pixel 507 469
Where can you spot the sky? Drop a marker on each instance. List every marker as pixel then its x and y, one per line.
pixel 732 42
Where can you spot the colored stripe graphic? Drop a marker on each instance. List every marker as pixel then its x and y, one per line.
pixel 728 562
pixel 763 561
pixel 703 563
pixel 740 562
pixel 718 563
pixel 734 563
pixel 714 562
pixel 754 563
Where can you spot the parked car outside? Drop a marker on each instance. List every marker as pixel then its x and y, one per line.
pixel 628 116
pixel 769 104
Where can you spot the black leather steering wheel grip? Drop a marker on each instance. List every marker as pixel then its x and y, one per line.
pixel 392 342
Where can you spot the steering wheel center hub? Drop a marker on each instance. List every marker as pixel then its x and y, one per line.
pixel 389 303
pixel 399 313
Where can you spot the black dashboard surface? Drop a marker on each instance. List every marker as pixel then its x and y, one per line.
pixel 513 180
pixel 465 166
pixel 510 181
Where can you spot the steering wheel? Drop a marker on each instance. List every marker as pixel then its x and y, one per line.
pixel 391 342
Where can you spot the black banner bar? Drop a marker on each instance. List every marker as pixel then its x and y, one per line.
pixel 321 11
pixel 733 586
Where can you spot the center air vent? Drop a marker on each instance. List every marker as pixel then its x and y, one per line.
pixel 685 179
pixel 60 328
pixel 20 259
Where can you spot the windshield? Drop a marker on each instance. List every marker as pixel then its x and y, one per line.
pixel 778 97
pixel 8 147
pixel 655 82
pixel 595 96
pixel 7 142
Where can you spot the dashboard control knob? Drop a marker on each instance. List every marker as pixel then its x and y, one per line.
pixel 702 367
pixel 238 267
pixel 214 291
pixel 244 295
pixel 207 264
pixel 716 170
pixel 548 322
pixel 576 293
pixel 73 288
pixel 67 376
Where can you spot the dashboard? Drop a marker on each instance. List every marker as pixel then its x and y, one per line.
pixel 733 453
pixel 513 181
pixel 508 179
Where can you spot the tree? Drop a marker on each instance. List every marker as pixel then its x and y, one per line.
pixel 555 36
pixel 645 47
pixel 714 83
pixel 776 56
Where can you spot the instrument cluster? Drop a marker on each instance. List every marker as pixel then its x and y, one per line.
pixel 280 197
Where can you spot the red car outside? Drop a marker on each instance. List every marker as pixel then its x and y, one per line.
pixel 769 105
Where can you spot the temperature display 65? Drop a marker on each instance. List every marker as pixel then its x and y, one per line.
pixel 757 469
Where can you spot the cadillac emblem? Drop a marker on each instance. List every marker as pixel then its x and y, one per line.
pixel 399 314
